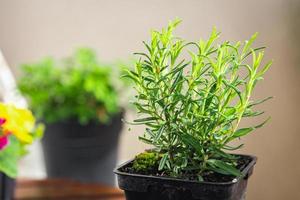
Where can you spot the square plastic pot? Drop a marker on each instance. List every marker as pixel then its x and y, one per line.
pixel 137 187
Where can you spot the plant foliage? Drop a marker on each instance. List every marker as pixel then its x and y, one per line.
pixel 146 161
pixel 192 107
pixel 17 131
pixel 77 88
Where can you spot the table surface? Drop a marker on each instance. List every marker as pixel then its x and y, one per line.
pixel 60 189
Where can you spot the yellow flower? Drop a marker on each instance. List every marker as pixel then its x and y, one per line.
pixel 19 122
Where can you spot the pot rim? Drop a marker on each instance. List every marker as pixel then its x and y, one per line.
pixel 246 173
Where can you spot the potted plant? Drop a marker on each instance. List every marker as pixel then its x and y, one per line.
pixel 192 98
pixel 17 131
pixel 79 104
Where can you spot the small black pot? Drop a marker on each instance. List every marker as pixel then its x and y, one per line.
pixel 145 187
pixel 7 187
pixel 83 153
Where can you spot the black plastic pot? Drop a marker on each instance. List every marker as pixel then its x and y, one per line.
pixel 7 187
pixel 145 187
pixel 83 153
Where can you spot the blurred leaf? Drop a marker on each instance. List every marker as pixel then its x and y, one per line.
pixel 9 157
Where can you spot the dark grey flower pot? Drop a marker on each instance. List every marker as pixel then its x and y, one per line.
pixel 84 153
pixel 137 186
pixel 7 187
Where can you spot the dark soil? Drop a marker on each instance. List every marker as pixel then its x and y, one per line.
pixel 242 162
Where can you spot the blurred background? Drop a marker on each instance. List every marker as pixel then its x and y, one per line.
pixel 32 29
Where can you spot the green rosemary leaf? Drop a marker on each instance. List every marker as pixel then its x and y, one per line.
pixel 162 162
pixel 223 167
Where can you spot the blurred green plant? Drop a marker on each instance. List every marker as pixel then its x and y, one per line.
pixel 192 107
pixel 78 87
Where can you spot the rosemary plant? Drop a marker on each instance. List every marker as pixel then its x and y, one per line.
pixel 192 107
